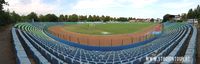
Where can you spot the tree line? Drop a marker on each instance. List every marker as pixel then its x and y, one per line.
pixel 4 16
pixel 73 18
pixel 7 17
pixel 14 17
pixel 192 14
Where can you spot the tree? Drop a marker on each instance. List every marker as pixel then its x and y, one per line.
pixel 198 11
pixel 195 14
pixel 33 16
pixel 123 19
pixel 61 18
pixel 107 18
pixel 4 16
pixel 98 18
pixel 184 16
pixel 151 20
pixel 82 18
pixel 168 17
pixel 90 18
pixel 15 17
pixel 66 17
pixel 102 18
pixel 2 2
pixel 51 18
pixel 114 19
pixel 94 18
pixel 130 18
pixel 42 18
pixel 24 18
pixel 73 18
pixel 190 14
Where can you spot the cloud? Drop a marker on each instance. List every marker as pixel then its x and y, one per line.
pixel 84 4
pixel 178 5
pixel 93 4
pixel 116 8
pixel 142 3
pixel 27 6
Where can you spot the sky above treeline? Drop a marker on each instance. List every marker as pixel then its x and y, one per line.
pixel 114 8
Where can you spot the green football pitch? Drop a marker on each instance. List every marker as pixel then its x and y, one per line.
pixel 108 28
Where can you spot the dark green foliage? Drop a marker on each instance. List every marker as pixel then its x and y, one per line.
pixel 190 14
pixel 184 17
pixel 165 18
pixel 42 18
pixel 123 19
pixel 102 18
pixel 51 18
pixel 73 18
pixel 179 20
pixel 97 18
pixel 168 17
pixel 24 18
pixel 15 17
pixel 107 18
pixel 130 18
pixel 48 18
pixel 2 2
pixel 82 18
pixel 5 18
pixel 194 13
pixel 66 17
pixel 90 18
pixel 32 15
pixel 198 11
pixel 151 20
pixel 61 18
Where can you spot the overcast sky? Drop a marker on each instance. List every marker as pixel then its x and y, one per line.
pixel 115 8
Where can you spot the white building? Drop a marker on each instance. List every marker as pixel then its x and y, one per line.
pixel 177 17
pixel 195 21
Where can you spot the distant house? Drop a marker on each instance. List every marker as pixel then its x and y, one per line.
pixel 171 18
pixel 195 21
pixel 158 20
pixel 133 20
pixel 177 17
pixel 140 20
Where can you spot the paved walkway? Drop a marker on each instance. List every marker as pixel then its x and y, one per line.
pixel 7 55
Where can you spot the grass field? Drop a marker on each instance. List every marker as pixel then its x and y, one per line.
pixel 109 28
